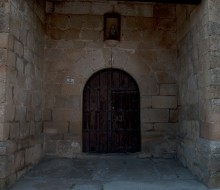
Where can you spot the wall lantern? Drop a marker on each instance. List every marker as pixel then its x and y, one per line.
pixel 112 26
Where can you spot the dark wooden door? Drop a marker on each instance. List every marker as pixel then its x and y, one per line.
pixel 111 113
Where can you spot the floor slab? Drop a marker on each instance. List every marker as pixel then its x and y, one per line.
pixel 108 172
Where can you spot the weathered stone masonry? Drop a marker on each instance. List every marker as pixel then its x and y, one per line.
pixel 75 48
pixel 170 50
pixel 22 48
pixel 198 61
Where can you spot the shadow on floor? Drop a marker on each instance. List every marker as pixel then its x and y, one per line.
pixel 108 172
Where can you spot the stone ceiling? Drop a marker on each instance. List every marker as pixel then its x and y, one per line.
pixel 159 1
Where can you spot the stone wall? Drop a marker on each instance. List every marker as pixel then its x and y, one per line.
pixel 22 37
pixel 75 50
pixel 198 59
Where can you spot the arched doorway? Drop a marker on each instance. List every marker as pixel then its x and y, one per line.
pixel 111 113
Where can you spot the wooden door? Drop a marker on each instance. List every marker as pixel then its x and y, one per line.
pixel 111 113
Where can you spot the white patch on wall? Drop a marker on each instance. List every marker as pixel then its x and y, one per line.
pixel 69 80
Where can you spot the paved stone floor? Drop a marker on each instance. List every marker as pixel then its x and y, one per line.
pixel 108 172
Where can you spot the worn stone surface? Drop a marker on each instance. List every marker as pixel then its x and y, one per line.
pixel 198 81
pixel 21 51
pixel 109 173
pixel 75 49
pixel 172 51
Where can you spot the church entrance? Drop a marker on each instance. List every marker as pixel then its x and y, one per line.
pixel 111 113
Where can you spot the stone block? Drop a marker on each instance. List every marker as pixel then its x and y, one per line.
pixel 120 60
pixel 146 102
pixel 169 130
pixel 29 152
pixel 51 147
pixel 20 65
pixel 174 116
pixel 33 154
pixel 213 13
pixel 93 22
pixel 10 145
pixel 148 85
pixel 28 69
pixel 214 181
pixel 166 77
pixel 38 128
pixel 38 152
pixel 14 130
pixel 47 115
pixel 54 78
pixel 165 11
pixel 167 40
pixel 3 151
pixel 78 8
pixel 100 8
pixel 76 21
pixel 19 160
pixel 3 56
pixel 37 99
pixel 167 24
pixel 33 129
pixel 3 183
pixel 56 127
pixel 126 9
pixel 210 131
pixel 38 114
pixel 129 35
pixel 20 113
pixel 71 90
pixel 4 40
pixel 71 137
pixel 2 113
pixel 4 131
pixel 58 21
pixel 19 48
pixel 168 89
pixel 49 7
pixel 68 148
pixel 144 10
pixel 40 11
pixel 168 58
pixel 21 173
pixel 90 35
pixel 164 101
pixel 11 59
pixel 2 91
pixel 3 167
pixel 213 28
pixel 69 102
pixel 213 92
pixel 4 6
pixel 30 40
pixel 76 128
pixel 28 55
pixel 155 115
pixel 130 23
pixel 136 66
pixel 24 130
pixel 214 76
pixel 4 22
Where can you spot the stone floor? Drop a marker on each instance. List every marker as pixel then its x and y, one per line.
pixel 108 172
